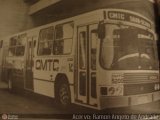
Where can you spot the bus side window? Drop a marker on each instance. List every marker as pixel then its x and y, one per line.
pixel 11 51
pixel 17 45
pixel 12 46
pixel 94 38
pixel 63 39
pixel 20 47
pixel 46 39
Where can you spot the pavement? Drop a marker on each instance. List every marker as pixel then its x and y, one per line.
pixel 22 104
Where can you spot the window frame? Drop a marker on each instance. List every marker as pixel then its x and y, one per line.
pixel 93 51
pixel 63 39
pixel 39 40
pixel 16 46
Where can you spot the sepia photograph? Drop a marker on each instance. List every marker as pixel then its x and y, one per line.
pixel 79 59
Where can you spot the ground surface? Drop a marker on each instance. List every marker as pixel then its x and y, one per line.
pixel 18 104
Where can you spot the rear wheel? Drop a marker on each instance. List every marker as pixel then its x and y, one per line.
pixel 63 96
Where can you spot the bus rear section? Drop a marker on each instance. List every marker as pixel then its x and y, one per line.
pixel 19 60
pixel 15 61
pixel 4 44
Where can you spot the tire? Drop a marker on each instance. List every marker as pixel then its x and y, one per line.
pixel 63 96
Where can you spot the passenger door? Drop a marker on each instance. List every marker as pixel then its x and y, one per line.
pixel 29 64
pixel 87 62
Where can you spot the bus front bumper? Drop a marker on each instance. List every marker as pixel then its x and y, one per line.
pixel 123 101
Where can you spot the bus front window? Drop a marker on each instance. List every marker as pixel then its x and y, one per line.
pixel 128 48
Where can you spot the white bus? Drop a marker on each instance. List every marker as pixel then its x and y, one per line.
pixel 100 59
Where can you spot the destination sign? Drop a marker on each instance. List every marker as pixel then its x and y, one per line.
pixel 129 17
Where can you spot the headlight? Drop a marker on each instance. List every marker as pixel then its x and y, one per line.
pixel 103 90
pixel 116 90
pixel 117 78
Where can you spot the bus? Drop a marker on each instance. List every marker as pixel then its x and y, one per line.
pixel 101 59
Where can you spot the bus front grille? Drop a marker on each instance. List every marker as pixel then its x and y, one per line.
pixel 134 78
pixel 135 89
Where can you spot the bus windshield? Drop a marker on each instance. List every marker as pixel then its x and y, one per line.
pixel 128 48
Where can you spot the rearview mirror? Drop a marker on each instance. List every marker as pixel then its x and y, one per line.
pixel 101 30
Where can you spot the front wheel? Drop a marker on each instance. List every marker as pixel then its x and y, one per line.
pixel 63 96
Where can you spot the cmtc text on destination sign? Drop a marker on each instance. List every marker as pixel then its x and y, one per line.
pixel 129 17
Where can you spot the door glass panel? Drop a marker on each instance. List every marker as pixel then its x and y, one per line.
pixel 29 55
pixel 83 64
pixel 82 84
pixel 29 65
pixel 94 38
pixel 93 85
pixel 93 55
pixel 82 50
